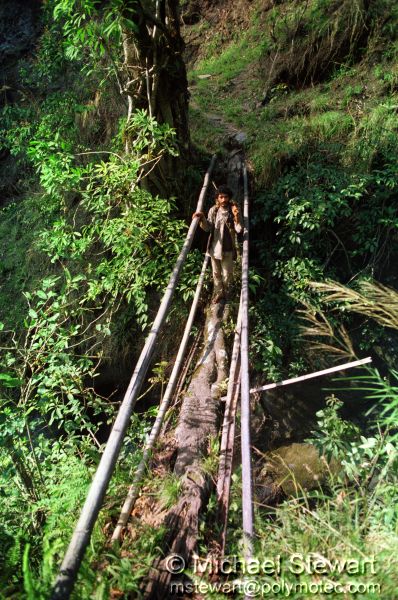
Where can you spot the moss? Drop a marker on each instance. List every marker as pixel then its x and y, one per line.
pixel 298 467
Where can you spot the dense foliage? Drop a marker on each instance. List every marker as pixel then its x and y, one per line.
pixel 93 246
pixel 87 245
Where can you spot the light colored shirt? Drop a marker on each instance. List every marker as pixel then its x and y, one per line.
pixel 217 221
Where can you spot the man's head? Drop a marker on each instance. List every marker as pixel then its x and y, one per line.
pixel 223 196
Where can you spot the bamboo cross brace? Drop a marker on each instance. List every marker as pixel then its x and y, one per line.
pixel 350 365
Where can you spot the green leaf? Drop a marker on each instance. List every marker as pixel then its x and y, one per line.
pixel 9 381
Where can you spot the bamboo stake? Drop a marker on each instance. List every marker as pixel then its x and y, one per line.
pixel 88 516
pixel 349 365
pixel 247 492
pixel 140 472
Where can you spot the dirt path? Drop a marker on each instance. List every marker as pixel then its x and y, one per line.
pixel 232 133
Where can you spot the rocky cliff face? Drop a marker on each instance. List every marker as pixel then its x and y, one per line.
pixel 19 28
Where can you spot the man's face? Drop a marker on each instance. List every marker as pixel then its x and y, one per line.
pixel 223 200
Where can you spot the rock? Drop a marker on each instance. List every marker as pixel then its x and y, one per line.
pixel 241 138
pixel 237 140
pixel 18 27
pixel 234 171
pixel 298 467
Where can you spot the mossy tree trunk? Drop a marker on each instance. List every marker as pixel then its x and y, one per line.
pixel 153 64
pixel 198 426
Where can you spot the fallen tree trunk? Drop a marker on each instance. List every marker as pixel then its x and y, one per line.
pixel 198 425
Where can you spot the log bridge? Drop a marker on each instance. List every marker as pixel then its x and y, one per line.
pixel 203 407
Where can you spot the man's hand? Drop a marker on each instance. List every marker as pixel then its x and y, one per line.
pixel 236 213
pixel 198 214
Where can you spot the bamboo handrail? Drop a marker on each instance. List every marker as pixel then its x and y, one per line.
pixel 247 493
pixel 65 580
pixel 140 471
pixel 228 433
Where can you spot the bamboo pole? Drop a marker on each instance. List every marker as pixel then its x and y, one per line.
pixel 350 365
pixel 228 432
pixel 247 492
pixel 81 536
pixel 140 472
pixel 183 376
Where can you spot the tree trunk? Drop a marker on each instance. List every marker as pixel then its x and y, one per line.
pixel 153 63
pixel 198 425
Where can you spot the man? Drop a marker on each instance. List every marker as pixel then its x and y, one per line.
pixel 222 222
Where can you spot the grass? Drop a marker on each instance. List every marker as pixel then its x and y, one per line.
pixel 277 131
pixel 207 136
pixel 169 491
pixel 333 527
pixel 210 462
pixel 343 108
pixel 376 131
pixel 233 58
pixel 123 569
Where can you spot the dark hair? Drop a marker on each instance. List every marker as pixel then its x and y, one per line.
pixel 224 189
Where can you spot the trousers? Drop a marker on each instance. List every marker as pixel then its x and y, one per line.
pixel 222 272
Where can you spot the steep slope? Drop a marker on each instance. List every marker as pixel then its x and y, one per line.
pixel 313 85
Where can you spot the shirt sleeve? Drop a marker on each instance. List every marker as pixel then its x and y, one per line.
pixel 206 223
pixel 238 227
